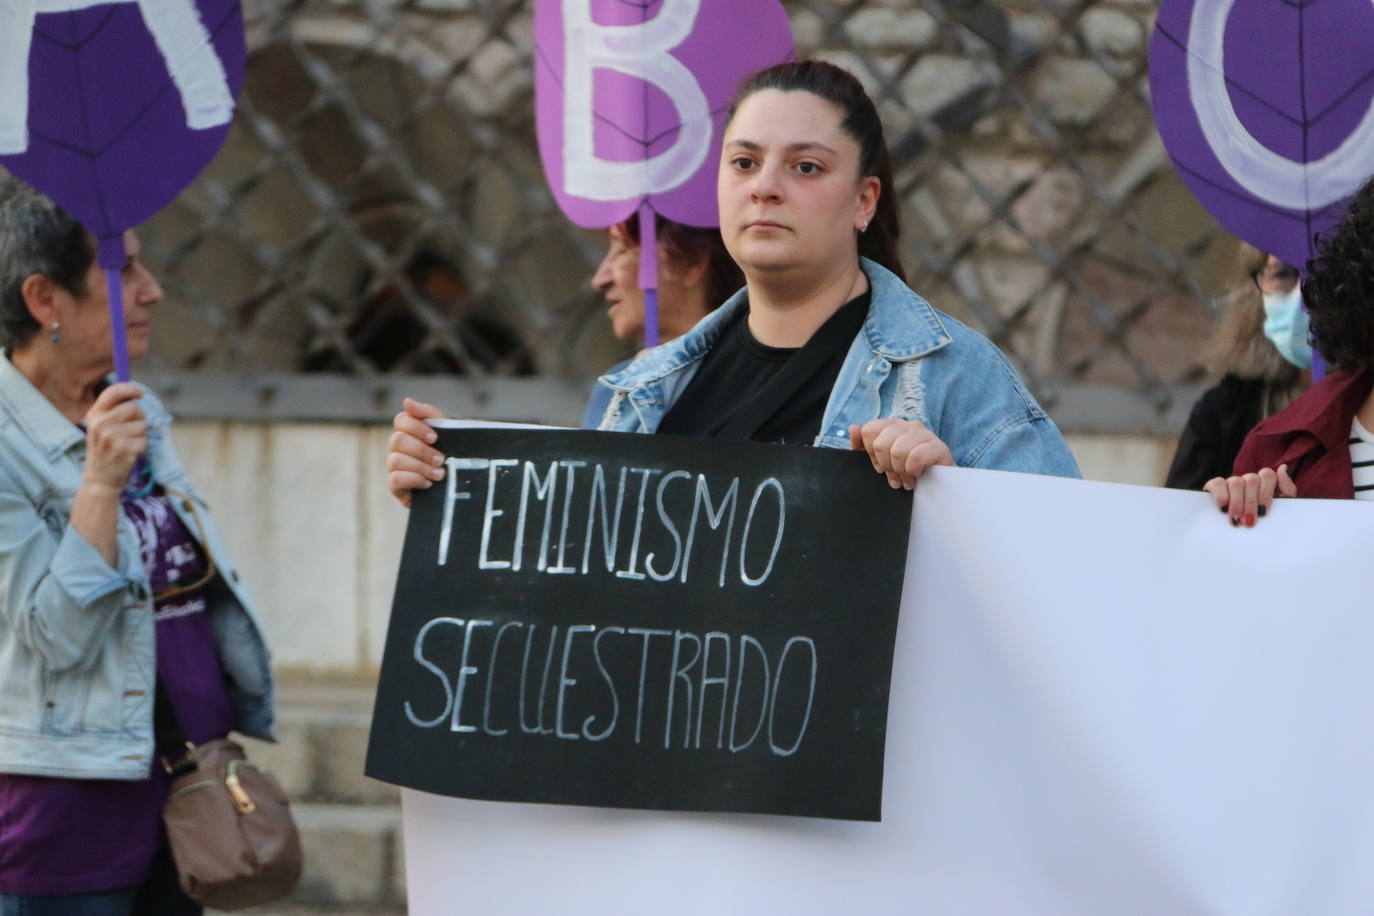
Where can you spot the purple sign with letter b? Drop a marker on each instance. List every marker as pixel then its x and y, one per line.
pixel 632 99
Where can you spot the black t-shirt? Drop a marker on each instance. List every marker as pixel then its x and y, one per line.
pixel 738 367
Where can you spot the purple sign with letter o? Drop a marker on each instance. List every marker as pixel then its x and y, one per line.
pixel 1267 109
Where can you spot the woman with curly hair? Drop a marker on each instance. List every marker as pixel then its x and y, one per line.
pixel 1262 354
pixel 1321 445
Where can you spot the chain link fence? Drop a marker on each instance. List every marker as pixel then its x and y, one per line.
pixel 378 222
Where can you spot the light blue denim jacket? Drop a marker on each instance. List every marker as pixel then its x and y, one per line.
pixel 909 361
pixel 77 655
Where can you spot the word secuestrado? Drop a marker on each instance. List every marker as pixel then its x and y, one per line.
pixel 670 680
pixel 586 503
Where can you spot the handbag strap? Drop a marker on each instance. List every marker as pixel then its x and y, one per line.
pixel 830 338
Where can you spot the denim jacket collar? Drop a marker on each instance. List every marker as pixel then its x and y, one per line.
pixel 41 421
pixel 900 326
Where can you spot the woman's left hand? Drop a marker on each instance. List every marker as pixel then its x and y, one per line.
pixel 900 449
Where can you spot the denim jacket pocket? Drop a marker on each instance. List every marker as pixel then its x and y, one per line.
pixel 65 695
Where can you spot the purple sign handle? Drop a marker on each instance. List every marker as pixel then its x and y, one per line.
pixel 648 272
pixel 118 341
pixel 1318 362
pixel 111 256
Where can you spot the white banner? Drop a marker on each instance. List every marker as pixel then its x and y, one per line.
pixel 1105 700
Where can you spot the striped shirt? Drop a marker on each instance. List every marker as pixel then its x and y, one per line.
pixel 1362 459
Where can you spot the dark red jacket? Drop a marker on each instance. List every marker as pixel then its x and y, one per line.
pixel 1312 436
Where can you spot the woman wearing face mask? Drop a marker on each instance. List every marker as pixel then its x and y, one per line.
pixel 826 345
pixel 1262 350
pixel 1321 445
pixel 695 274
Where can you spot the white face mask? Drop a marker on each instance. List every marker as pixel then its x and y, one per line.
pixel 1285 324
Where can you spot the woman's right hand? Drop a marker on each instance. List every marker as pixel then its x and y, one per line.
pixel 412 463
pixel 116 434
pixel 1248 497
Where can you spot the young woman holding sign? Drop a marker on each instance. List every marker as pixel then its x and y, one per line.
pixel 826 345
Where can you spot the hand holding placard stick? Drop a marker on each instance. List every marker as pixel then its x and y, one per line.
pixel 614 620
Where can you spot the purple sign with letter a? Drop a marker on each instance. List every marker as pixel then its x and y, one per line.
pixel 631 101
pixel 1267 109
pixel 111 109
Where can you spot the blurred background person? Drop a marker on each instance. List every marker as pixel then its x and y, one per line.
pixel 695 274
pixel 115 588
pixel 1261 351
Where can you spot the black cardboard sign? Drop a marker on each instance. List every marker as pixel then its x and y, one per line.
pixel 644 621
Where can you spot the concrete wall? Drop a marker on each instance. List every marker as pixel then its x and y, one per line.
pixel 305 509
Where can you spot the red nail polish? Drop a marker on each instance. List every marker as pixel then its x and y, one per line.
pixel 1250 520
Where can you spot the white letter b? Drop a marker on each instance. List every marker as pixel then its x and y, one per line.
pixel 640 51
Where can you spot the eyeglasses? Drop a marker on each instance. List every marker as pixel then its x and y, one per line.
pixel 1268 274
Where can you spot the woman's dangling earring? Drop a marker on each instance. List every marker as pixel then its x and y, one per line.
pixel 55 336
pixel 864 227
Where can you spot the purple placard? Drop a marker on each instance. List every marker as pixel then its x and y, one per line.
pixel 1267 109
pixel 631 99
pixel 92 114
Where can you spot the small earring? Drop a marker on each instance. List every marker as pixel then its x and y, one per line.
pixel 864 227
pixel 54 336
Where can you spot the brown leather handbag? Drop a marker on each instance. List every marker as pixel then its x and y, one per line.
pixel 230 829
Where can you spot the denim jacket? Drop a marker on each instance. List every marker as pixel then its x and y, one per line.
pixel 77 655
pixel 909 361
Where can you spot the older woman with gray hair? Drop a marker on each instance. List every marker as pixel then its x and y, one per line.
pixel 116 594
